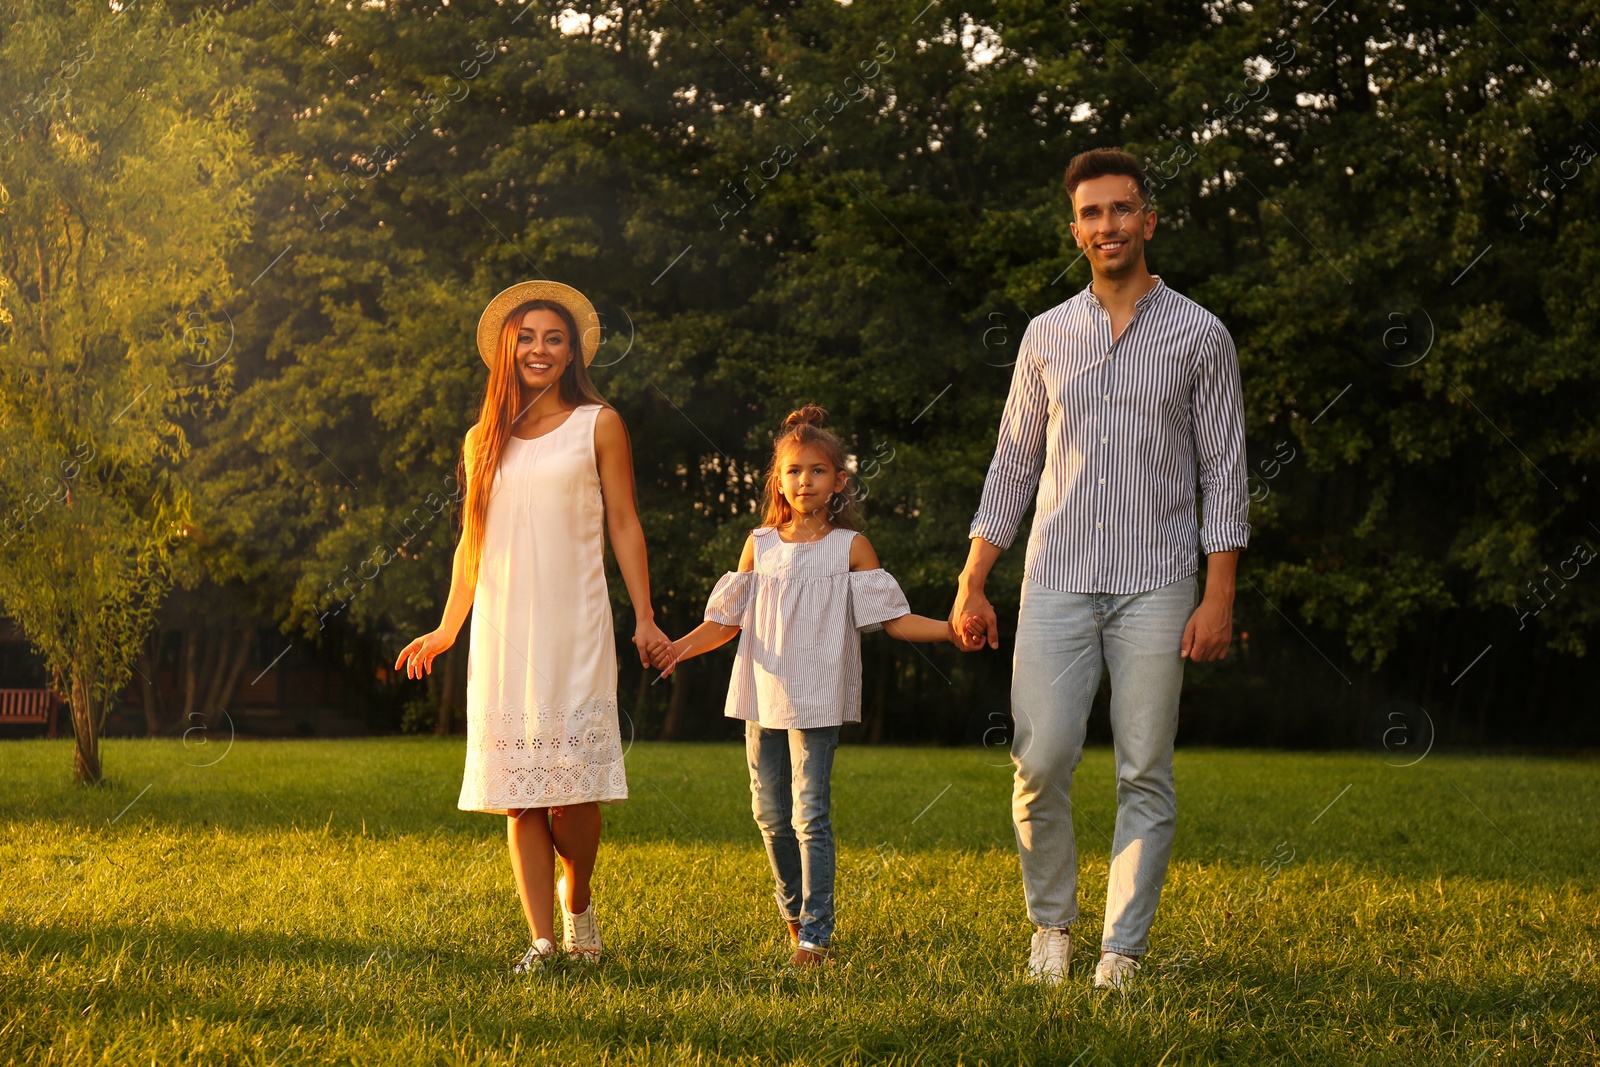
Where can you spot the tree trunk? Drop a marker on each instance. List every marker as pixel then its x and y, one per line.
pixel 1482 731
pixel 677 710
pixel 219 653
pixel 444 697
pixel 229 671
pixel 452 697
pixel 639 697
pixel 150 684
pixel 880 693
pixel 85 735
pixel 223 667
pixel 191 668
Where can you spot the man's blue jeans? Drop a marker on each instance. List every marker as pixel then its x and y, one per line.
pixel 790 773
pixel 1063 639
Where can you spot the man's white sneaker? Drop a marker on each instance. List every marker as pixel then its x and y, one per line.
pixel 582 938
pixel 538 955
pixel 1050 956
pixel 1114 971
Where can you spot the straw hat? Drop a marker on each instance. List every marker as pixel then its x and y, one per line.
pixel 506 301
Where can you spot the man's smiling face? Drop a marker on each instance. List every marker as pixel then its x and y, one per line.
pixel 1111 223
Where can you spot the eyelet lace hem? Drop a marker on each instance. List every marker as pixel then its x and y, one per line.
pixel 544 756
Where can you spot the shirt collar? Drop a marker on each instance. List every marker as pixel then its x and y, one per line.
pixel 1143 302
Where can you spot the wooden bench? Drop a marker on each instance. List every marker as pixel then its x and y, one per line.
pixel 23 706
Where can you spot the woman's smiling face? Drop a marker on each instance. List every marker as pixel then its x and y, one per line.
pixel 544 348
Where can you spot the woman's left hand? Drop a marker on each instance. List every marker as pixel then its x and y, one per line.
pixel 648 638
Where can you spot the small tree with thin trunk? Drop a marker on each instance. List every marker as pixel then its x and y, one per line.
pixel 125 176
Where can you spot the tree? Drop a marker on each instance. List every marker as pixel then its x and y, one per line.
pixel 860 205
pixel 126 179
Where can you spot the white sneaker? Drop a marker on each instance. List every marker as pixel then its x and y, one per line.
pixel 1050 957
pixel 582 934
pixel 539 953
pixel 1114 971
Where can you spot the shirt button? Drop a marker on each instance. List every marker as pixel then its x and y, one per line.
pixel 1097 525
pixel 1108 398
pixel 1103 440
pixel 1102 481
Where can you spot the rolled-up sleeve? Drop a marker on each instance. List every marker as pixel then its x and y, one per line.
pixel 1013 476
pixel 1218 420
pixel 875 598
pixel 729 598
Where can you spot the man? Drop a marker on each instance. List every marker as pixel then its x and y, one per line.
pixel 1122 398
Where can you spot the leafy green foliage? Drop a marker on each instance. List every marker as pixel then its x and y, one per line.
pixel 122 192
pixel 860 205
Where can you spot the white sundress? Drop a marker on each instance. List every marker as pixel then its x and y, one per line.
pixel 802 610
pixel 542 671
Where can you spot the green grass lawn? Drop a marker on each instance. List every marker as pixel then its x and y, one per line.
pixel 325 902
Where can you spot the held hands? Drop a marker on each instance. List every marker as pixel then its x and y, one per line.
pixel 419 654
pixel 969 639
pixel 973 622
pixel 668 656
pixel 650 640
pixel 709 635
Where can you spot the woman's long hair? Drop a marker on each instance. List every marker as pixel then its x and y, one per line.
pixel 502 403
pixel 807 426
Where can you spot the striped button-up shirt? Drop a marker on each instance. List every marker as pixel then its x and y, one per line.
pixel 1121 431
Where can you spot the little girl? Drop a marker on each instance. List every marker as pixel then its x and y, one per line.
pixel 806 586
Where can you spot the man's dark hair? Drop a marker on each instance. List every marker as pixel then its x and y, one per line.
pixel 1098 162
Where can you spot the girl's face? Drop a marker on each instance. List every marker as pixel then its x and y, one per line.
pixel 544 350
pixel 809 480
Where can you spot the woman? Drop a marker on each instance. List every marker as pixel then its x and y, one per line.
pixel 549 474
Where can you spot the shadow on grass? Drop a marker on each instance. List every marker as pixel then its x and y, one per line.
pixel 1514 819
pixel 1221 1011
pixel 173 944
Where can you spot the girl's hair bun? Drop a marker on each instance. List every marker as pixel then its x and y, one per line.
pixel 807 427
pixel 810 415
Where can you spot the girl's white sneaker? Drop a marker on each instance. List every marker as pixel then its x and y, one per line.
pixel 582 933
pixel 538 955
pixel 1114 970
